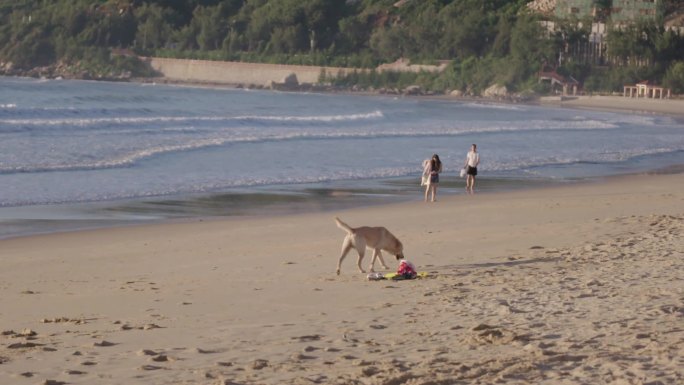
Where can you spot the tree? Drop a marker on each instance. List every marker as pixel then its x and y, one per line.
pixel 529 49
pixel 389 43
pixel 487 41
pixel 674 78
pixel 153 28
pixel 211 26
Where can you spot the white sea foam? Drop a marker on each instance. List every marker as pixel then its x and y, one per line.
pixel 184 141
pixel 167 119
pixel 495 106
pixel 8 106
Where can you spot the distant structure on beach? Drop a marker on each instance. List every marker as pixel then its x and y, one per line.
pixel 646 89
pixel 568 85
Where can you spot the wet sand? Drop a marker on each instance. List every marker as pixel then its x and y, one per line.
pixel 255 201
pixel 579 284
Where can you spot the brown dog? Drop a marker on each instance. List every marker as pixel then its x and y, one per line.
pixel 375 238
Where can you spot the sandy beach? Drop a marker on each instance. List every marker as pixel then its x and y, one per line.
pixel 673 107
pixel 578 284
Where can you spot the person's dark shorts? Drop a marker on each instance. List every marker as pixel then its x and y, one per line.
pixel 471 171
pixel 434 178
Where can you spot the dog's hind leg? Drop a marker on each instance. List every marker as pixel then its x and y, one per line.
pixel 360 245
pixel 346 246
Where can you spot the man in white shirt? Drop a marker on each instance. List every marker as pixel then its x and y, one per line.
pixel 472 160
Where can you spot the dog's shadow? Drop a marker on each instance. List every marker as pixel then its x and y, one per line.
pixel 485 265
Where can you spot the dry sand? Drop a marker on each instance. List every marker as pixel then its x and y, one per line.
pixel 580 284
pixel 618 103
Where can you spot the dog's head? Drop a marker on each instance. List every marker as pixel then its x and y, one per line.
pixel 399 250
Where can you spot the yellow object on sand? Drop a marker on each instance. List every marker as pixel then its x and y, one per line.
pixel 397 277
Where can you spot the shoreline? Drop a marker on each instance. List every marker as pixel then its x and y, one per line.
pixel 669 107
pixel 265 201
pixel 268 200
pixel 159 211
pixel 517 291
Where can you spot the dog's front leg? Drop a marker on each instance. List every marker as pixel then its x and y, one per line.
pixel 376 253
pixel 362 252
pixel 382 261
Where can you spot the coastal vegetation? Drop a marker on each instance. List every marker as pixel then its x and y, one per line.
pixel 485 42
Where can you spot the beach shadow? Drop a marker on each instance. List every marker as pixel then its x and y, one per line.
pixel 520 262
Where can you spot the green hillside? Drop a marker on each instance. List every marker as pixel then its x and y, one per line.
pixel 487 42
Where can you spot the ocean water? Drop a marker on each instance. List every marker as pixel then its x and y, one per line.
pixel 67 142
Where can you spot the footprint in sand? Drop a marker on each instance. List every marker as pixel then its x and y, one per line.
pixel 160 358
pixel 150 367
pixel 495 335
pixel 259 364
pixel 308 338
pixel 23 345
pixel 76 321
pixel 26 333
pixel 228 382
pixel 74 372
pixel 205 351
pixel 103 343
pixel 148 352
pixel 672 309
pixel 370 371
pixel 301 357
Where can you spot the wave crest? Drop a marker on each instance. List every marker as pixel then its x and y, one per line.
pixel 167 119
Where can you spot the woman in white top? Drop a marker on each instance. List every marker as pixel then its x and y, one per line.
pixel 472 160
pixel 433 169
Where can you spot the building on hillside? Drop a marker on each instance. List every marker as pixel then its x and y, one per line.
pixel 543 7
pixel 617 11
pixel 579 9
pixel 601 14
pixel 627 11
pixel 675 21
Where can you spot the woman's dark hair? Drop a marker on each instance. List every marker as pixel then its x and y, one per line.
pixel 435 163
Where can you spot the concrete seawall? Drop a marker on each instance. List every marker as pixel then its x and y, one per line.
pixel 206 71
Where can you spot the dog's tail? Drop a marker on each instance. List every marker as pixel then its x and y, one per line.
pixel 343 225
